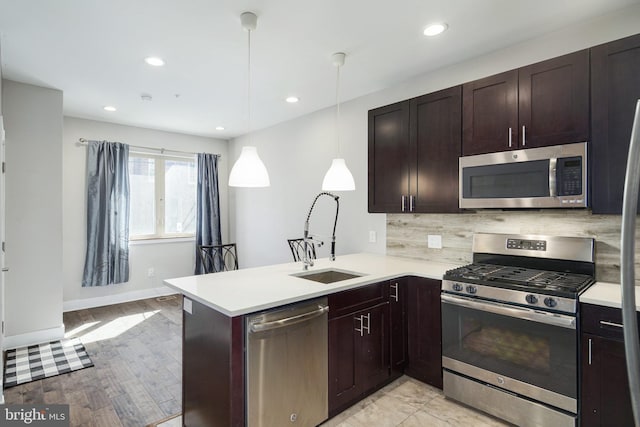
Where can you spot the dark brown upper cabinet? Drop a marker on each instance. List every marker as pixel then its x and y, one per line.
pixel 388 158
pixel 414 147
pixel 615 89
pixel 542 104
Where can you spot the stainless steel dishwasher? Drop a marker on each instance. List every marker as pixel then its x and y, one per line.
pixel 287 378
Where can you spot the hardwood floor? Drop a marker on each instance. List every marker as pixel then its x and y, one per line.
pixel 136 348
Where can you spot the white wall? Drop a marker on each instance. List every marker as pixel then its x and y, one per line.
pixel 168 259
pixel 298 153
pixel 33 123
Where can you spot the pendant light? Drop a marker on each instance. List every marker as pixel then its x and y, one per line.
pixel 248 170
pixel 338 177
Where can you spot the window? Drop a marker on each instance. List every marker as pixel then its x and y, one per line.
pixel 163 196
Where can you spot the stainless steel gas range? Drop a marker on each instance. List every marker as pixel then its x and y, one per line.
pixel 509 327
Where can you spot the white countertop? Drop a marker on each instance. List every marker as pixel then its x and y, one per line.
pixel 607 294
pixel 249 290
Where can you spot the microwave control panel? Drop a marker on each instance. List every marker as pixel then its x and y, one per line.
pixel 569 176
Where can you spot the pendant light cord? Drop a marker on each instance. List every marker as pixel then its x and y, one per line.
pixel 338 112
pixel 249 85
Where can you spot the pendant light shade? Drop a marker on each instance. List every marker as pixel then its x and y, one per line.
pixel 248 170
pixel 338 177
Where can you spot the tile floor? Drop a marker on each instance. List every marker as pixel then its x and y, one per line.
pixel 404 403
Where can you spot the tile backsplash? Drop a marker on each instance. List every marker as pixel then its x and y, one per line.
pixel 407 234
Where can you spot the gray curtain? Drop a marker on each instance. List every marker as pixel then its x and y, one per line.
pixel 107 257
pixel 208 207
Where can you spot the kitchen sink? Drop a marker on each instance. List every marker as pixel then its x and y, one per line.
pixel 328 275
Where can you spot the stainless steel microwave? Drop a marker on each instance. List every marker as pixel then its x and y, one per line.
pixel 545 177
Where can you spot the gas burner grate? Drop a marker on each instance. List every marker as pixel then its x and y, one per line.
pixel 520 277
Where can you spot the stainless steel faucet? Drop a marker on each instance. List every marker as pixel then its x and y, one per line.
pixel 306 260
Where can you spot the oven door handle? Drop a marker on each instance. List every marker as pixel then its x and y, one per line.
pixel 512 311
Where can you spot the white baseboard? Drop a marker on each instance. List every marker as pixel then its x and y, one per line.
pixel 80 304
pixel 32 338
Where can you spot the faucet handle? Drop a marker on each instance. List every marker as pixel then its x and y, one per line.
pixel 316 241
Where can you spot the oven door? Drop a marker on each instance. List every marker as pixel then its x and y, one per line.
pixel 527 352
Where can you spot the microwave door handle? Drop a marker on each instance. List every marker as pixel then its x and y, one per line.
pixel 553 163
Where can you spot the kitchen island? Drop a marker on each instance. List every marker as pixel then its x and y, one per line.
pixel 215 306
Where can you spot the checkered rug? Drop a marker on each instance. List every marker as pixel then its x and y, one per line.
pixel 36 362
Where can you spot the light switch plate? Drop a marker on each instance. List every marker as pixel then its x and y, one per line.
pixel 372 236
pixel 434 241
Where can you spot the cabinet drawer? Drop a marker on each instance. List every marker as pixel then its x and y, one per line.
pixel 602 321
pixel 353 300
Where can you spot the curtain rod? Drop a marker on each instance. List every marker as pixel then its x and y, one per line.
pixel 84 141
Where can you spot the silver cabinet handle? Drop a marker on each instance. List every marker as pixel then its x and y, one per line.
pixel 394 295
pixel 510 136
pixel 524 132
pixel 404 202
pixel 589 351
pixel 412 203
pixel 605 323
pixel 368 318
pixel 5 269
pixel 361 328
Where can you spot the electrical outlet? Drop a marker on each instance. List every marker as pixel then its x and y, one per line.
pixel 372 236
pixel 151 272
pixel 434 241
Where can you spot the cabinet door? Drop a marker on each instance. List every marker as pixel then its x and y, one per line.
pixel 398 325
pixel 358 355
pixel 424 331
pixel 615 89
pixel 372 364
pixel 388 158
pixel 436 121
pixel 343 343
pixel 605 389
pixel 490 114
pixel 553 100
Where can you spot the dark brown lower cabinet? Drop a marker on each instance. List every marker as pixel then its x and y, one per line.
pixel 398 325
pixel 358 355
pixel 359 361
pixel 424 361
pixel 604 390
pixel 213 392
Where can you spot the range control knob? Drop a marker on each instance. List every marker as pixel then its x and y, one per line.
pixel 471 289
pixel 550 302
pixel 457 287
pixel 531 299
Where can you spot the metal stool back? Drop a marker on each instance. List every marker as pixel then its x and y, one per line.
pixel 297 249
pixel 216 258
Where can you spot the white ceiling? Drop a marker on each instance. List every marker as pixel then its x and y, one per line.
pixel 93 51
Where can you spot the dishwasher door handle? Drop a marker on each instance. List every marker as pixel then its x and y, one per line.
pixel 288 321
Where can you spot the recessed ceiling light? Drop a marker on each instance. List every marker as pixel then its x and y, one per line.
pixel 154 60
pixel 109 108
pixel 292 99
pixel 219 127
pixel 435 29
